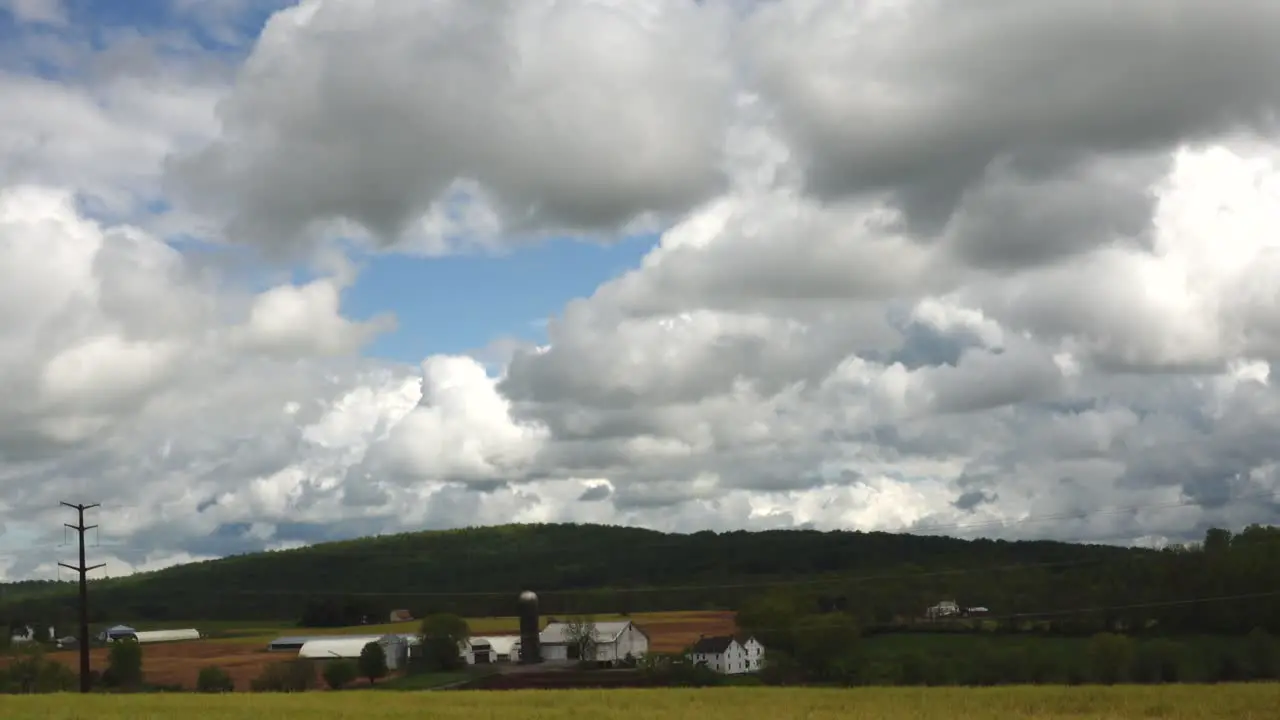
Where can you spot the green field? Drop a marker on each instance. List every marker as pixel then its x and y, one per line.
pixel 1234 702
pixel 264 632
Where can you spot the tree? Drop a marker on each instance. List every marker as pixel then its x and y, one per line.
pixel 124 665
pixel 825 645
pixel 31 672
pixel 340 673
pixel 213 679
pixel 442 634
pixel 580 634
pixel 1110 657
pixel 1261 651
pixel 770 619
pixel 373 662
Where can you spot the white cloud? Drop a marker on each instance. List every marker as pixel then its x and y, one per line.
pixel 48 12
pixel 582 115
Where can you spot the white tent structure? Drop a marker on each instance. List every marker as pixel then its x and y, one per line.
pixel 330 648
pixel 155 636
pixel 117 632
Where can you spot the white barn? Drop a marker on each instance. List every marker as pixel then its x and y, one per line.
pixel 490 649
pixel 726 655
pixel 395 647
pixel 615 641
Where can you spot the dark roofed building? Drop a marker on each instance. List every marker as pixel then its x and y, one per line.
pixel 727 654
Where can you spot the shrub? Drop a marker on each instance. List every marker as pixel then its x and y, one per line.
pixel 1261 650
pixel 340 673
pixel 373 662
pixel 213 679
pixel 1110 657
pixel 296 675
pixel 124 665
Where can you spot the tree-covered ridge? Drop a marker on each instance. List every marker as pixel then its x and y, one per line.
pixel 478 571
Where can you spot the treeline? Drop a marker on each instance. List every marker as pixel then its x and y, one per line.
pixel 1203 613
pixel 574 568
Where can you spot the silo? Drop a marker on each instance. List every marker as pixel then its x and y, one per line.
pixel 530 648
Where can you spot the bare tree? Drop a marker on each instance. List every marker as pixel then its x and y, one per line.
pixel 580 632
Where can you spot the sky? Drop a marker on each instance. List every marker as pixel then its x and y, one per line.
pixel 276 273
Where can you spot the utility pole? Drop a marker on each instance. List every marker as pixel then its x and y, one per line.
pixel 80 528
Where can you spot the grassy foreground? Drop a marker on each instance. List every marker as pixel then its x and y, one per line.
pixel 1238 702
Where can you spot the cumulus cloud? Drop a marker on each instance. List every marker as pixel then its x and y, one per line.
pixel 579 115
pixel 916 266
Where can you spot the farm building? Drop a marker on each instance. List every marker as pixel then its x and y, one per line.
pixel 946 608
pixel 338 646
pixel 489 649
pixel 476 651
pixel 155 636
pixel 117 632
pixel 614 641
pixel 727 655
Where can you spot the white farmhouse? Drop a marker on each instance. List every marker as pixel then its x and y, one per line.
pixel 946 608
pixel 615 642
pixel 726 655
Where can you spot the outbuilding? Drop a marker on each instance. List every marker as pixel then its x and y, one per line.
pixel 118 632
pixel 156 636
pixel 614 642
pixel 394 646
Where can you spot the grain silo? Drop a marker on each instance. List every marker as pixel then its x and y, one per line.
pixel 530 647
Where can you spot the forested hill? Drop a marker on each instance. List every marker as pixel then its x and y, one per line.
pixel 480 570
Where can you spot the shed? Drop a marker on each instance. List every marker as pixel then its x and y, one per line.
pixel 155 636
pixel 338 646
pixel 615 641
pixel 117 632
pixel 503 646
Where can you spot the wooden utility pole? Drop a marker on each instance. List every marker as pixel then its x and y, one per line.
pixel 80 528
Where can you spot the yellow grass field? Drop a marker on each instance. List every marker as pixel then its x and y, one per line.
pixel 1234 702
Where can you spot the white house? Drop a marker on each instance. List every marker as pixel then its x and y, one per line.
pixel 614 641
pixel 726 655
pixel 337 646
pixel 946 608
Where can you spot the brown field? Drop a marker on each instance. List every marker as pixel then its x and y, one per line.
pixel 244 657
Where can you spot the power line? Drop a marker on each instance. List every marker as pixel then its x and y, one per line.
pixel 83 570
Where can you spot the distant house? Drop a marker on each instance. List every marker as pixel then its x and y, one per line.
pixel 614 641
pixel 728 655
pixel 944 609
pixel 399 616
